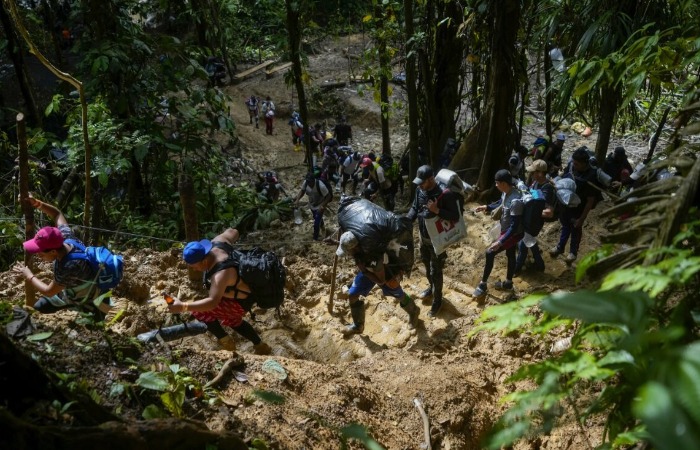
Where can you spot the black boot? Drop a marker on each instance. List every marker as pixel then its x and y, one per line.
pixel 357 310
pixel 412 310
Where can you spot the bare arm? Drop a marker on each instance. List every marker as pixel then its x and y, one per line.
pixel 54 213
pixel 50 289
pixel 231 236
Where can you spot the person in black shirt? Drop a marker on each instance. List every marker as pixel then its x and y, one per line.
pixel 430 201
pixel 342 132
pixel 619 168
pixel 572 219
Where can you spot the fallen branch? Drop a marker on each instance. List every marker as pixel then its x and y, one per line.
pixel 234 361
pixel 426 423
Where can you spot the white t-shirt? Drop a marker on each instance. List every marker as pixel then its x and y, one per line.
pixel 350 165
pixel 316 193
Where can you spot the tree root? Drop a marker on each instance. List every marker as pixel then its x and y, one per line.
pixel 234 361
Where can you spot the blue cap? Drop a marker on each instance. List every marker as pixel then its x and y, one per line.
pixel 196 251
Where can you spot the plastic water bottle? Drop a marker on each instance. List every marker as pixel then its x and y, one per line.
pixel 297 216
pixel 529 240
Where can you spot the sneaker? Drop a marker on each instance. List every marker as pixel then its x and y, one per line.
pixel 480 290
pixel 504 285
pixel 426 293
pixel 570 258
pixel 555 251
pixel 352 329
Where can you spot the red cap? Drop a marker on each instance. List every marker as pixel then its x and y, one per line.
pixel 48 238
pixel 365 162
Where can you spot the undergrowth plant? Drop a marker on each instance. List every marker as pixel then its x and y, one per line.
pixel 634 358
pixel 174 383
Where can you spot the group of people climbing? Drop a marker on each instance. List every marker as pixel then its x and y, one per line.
pixel 228 296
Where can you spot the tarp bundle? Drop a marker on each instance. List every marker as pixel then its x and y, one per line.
pixel 379 231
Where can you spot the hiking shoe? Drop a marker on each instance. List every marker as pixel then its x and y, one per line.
pixel 480 290
pixel 262 349
pixel 555 251
pixel 570 258
pixel 426 293
pixel 352 329
pixel 504 285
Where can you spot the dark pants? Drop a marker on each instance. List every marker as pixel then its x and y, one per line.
pixel 433 268
pixel 567 219
pixel 522 256
pixel 346 178
pixel 244 329
pixel 318 222
pixel 268 124
pixel 45 306
pixel 509 247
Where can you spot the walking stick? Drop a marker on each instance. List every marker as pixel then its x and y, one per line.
pixel 332 293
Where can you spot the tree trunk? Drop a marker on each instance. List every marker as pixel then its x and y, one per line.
pixel 16 55
pixel 27 210
pixel 547 90
pixel 609 101
pixel 441 70
pixel 384 69
pixel 294 30
pixel 489 143
pixel 412 93
pixel 188 201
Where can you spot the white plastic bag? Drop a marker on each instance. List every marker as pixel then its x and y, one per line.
pixel 444 233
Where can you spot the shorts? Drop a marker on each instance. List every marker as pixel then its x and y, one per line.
pixel 362 285
pixel 229 312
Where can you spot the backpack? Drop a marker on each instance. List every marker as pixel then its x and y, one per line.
pixel 108 266
pixel 534 203
pixel 323 178
pixel 261 270
pixel 448 179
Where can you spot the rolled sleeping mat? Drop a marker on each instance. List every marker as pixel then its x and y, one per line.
pixel 174 332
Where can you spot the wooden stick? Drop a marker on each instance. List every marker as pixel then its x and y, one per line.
pixel 426 422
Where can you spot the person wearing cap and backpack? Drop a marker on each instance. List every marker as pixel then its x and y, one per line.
pixel 572 219
pixel 227 290
pixel 372 272
pixel 538 172
pixel 253 104
pixel 376 182
pixel 319 196
pixel 430 201
pixel 268 110
pixel 75 276
pixel 511 231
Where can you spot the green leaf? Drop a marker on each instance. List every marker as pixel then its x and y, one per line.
pixel 152 380
pixel 619 308
pixel 40 336
pixel 508 317
pixel 359 432
pixel 153 412
pixel 669 428
pixel 269 397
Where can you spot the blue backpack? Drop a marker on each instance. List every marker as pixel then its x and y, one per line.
pixel 532 213
pixel 108 266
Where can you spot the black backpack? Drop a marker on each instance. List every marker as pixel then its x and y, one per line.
pixel 532 212
pixel 261 270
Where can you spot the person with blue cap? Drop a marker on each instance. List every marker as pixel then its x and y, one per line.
pixel 227 292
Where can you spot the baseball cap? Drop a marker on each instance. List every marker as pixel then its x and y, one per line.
pixel 423 173
pixel 348 241
pixel 48 238
pixel 365 162
pixel 195 251
pixel 620 151
pixel 561 137
pixel 504 175
pixel 539 165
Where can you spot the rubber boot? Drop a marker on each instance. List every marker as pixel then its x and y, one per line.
pixel 412 309
pixel 357 310
pixel 227 343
